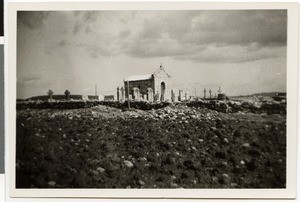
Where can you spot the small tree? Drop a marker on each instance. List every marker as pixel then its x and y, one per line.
pixel 67 93
pixel 50 93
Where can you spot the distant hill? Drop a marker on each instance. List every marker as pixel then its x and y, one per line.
pixel 55 97
pixel 269 94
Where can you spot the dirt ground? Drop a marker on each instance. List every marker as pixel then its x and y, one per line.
pixel 173 147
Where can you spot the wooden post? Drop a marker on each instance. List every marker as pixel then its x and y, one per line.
pixel 209 93
pixel 204 91
pixel 219 91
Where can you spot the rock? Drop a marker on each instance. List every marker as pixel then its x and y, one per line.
pixel 234 185
pixel 215 179
pixel 143 159
pixel 51 183
pixel 100 169
pixel 116 159
pixel 52 116
pixel 174 185
pixel 225 178
pixel 225 175
pixel 246 145
pixel 128 164
pixel 226 140
pixel 213 128
pixel 64 136
pixel 141 182
pixel 242 162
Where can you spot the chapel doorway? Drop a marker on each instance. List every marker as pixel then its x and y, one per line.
pixel 163 89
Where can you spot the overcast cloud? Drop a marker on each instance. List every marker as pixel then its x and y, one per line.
pixel 103 48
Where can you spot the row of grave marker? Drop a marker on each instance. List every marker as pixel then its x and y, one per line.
pixel 150 96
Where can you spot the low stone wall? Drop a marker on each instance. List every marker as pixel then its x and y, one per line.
pixel 72 104
pixel 220 106
pixel 55 104
pixel 234 107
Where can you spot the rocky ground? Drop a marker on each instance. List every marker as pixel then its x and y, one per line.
pixel 171 147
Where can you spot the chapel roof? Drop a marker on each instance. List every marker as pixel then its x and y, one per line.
pixel 146 76
pixel 139 77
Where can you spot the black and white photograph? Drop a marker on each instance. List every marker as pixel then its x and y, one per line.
pixel 151 99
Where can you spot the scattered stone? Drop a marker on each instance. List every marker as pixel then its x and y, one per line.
pixel 51 183
pixel 143 159
pixel 141 182
pixel 213 128
pixel 226 140
pixel 246 145
pixel 52 116
pixel 174 185
pixel 100 169
pixel 234 185
pixel 242 162
pixel 128 164
pixel 215 179
pixel 225 175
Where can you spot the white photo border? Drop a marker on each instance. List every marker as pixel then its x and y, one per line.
pixel 292 72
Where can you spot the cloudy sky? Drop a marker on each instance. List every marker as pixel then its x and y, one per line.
pixel 244 52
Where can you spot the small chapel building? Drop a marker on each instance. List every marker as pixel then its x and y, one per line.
pixel 150 87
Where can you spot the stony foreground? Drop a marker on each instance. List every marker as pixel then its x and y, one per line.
pixel 173 147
